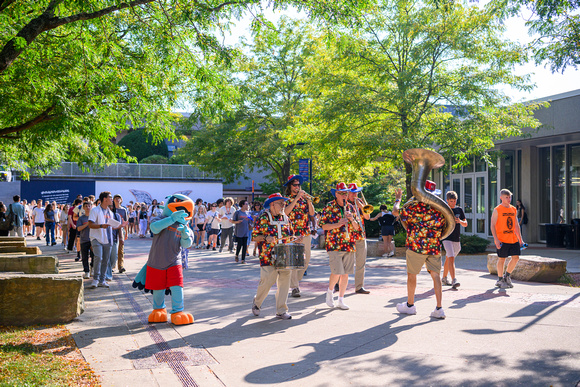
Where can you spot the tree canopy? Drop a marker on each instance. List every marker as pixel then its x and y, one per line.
pixel 75 73
pixel 269 80
pixel 415 75
pixel 556 27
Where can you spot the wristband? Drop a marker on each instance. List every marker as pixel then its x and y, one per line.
pixel 397 200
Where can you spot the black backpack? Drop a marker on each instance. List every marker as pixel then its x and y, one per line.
pixel 7 223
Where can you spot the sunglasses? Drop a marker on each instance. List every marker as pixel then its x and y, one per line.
pixel 296 185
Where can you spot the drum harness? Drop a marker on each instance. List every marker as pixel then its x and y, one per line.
pixel 278 223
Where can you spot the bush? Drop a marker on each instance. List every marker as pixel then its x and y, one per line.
pixel 154 159
pixel 372 228
pixel 472 244
pixel 400 239
pixel 141 146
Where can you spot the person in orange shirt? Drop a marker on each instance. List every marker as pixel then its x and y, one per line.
pixel 507 238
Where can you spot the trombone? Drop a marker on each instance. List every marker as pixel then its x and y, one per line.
pixel 367 208
pixel 313 199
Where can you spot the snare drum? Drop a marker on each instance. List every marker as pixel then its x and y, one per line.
pixel 288 256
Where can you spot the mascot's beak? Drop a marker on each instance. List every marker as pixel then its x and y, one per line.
pixel 178 204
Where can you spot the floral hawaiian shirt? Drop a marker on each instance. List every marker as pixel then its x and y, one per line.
pixel 424 228
pixel 336 239
pixel 299 217
pixel 263 227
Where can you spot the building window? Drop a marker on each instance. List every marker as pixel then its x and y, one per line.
pixel 545 197
pixel 575 181
pixel 559 186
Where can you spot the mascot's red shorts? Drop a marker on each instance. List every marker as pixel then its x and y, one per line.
pixel 163 279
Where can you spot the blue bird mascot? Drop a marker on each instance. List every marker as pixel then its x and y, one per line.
pixel 163 273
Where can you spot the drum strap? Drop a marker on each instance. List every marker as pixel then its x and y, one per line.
pixel 278 223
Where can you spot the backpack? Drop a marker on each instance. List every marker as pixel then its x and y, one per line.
pixel 7 224
pixel 525 219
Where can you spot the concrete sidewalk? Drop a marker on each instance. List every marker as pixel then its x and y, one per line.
pixel 528 335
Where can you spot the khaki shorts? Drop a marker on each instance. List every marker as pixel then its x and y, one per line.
pixel 341 262
pixel 415 262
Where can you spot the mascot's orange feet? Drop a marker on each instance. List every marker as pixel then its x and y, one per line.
pixel 158 316
pixel 181 318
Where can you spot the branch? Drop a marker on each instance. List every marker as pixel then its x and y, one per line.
pixel 5 4
pixel 45 116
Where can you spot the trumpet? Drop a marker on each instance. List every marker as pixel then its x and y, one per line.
pixel 367 208
pixel 313 199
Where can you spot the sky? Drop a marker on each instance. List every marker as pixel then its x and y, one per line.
pixel 547 83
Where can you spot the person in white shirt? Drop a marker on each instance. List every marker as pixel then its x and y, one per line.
pixel 101 235
pixel 225 215
pixel 214 228
pixel 38 218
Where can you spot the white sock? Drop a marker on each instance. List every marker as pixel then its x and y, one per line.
pixel 330 290
pixel 340 299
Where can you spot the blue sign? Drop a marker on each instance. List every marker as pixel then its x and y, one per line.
pixel 60 191
pixel 304 168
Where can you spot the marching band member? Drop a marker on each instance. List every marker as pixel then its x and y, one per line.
pixel 425 225
pixel 299 210
pixel 359 238
pixel 338 222
pixel 271 226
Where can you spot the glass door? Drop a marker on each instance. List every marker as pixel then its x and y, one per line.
pixel 480 221
pixel 467 201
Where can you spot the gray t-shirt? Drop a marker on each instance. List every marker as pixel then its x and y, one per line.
pixel 85 233
pixel 242 229
pixel 166 247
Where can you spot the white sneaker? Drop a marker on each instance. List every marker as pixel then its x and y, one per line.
pixel 94 284
pixel 455 284
pixel 391 254
pixel 403 308
pixel 86 276
pixel 330 298
pixel 445 281
pixel 103 284
pixel 438 313
pixel 386 255
pixel 342 305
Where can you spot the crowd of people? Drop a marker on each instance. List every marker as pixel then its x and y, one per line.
pixel 98 227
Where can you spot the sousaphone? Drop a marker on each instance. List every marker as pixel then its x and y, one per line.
pixel 422 161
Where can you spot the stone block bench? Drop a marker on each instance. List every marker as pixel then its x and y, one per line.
pixel 12 241
pixel 33 250
pixel 40 298
pixel 375 248
pixel 532 268
pixel 29 264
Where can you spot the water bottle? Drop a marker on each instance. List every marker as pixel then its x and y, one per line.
pixel 524 246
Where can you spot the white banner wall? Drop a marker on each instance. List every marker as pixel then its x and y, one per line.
pixel 146 191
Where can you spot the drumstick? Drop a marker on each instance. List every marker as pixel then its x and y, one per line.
pixel 280 239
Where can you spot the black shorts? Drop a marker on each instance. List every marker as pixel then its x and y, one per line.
pixel 200 227
pixel 213 231
pixel 509 249
pixel 39 224
pixel 387 230
pixel 131 220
